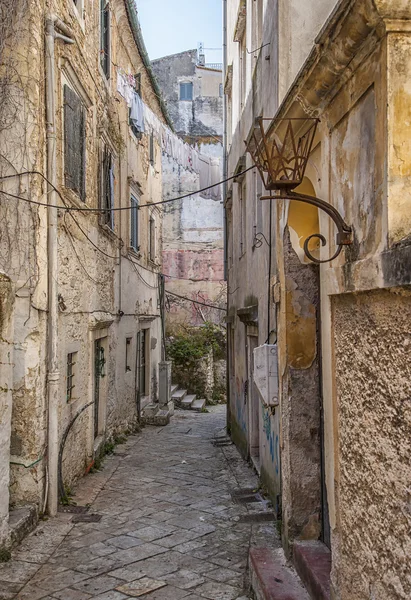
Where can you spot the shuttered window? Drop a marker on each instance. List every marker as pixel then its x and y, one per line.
pixel 107 189
pixel 105 37
pixel 186 91
pixel 74 143
pixel 134 223
pixel 152 239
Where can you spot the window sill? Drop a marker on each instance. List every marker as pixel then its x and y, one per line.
pixel 137 137
pixel 135 253
pixel 80 17
pixel 106 80
pixel 153 264
pixel 110 233
pixel 73 198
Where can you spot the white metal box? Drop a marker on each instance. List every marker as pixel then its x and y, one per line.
pixel 266 373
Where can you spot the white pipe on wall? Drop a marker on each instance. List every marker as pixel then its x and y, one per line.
pixel 53 374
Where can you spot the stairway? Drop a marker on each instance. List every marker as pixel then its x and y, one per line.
pixel 182 399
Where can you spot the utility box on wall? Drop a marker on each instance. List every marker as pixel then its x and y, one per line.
pixel 266 373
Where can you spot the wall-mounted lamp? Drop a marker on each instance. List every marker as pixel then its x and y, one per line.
pixel 281 154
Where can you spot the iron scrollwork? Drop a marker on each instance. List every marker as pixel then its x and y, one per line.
pixel 344 235
pixel 281 153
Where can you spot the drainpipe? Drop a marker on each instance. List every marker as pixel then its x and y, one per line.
pixel 225 171
pixel 225 137
pixel 53 374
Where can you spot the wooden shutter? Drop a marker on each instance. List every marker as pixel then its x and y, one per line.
pixel 74 143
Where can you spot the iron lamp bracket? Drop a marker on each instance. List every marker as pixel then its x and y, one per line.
pixel 344 234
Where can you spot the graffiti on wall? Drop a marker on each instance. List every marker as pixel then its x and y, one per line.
pixel 272 440
pixel 240 402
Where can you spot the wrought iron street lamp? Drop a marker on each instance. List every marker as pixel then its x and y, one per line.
pixel 281 154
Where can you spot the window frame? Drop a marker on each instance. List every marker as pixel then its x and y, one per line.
pixel 129 350
pixel 107 217
pixel 71 361
pixel 152 245
pixel 151 149
pixel 105 39
pixel 134 222
pixel 243 217
pixel 186 85
pixel 69 180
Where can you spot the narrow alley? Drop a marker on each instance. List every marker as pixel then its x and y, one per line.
pixel 170 510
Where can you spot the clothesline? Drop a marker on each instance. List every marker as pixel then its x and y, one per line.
pixel 146 121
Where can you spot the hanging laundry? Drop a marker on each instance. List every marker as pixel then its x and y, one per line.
pixel 137 113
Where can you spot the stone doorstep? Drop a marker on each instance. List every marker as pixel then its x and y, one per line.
pixel 22 521
pixel 312 560
pixel 174 388
pixel 271 578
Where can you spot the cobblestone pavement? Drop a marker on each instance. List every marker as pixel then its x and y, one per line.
pixel 169 528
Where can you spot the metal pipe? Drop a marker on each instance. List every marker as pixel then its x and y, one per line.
pixel 53 373
pixel 225 169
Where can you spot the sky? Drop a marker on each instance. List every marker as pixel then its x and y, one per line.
pixel 171 26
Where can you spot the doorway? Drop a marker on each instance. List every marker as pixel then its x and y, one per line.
pixel 99 373
pixel 143 361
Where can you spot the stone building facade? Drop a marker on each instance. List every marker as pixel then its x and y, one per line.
pixel 193 234
pixel 335 452
pixel 81 329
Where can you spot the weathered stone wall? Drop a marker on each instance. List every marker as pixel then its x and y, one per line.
pixel 106 290
pixel 356 79
pixel 373 387
pixel 6 387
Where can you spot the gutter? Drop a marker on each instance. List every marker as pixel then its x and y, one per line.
pixel 139 40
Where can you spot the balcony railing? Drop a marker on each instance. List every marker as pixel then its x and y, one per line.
pixel 216 66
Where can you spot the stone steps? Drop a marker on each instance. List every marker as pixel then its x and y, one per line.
pixel 198 405
pixel 272 578
pixel 312 560
pixel 174 388
pixel 154 414
pixel 186 401
pixel 178 396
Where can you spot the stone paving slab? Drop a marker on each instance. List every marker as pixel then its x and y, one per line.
pixel 167 516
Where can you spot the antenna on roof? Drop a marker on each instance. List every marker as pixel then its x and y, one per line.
pixel 201 55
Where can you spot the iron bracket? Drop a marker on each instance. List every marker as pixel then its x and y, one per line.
pixel 344 235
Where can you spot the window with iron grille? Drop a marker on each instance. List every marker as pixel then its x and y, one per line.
pixel 74 143
pixel 107 189
pixel 186 91
pixel 105 37
pixel 71 362
pixel 134 223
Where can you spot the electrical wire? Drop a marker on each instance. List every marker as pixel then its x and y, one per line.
pixel 103 210
pixel 195 301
